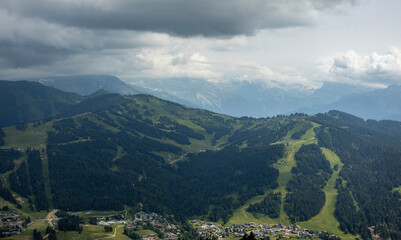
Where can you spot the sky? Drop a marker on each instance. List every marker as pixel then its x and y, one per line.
pixel 289 42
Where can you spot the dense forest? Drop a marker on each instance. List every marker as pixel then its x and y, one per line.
pixel 2 135
pixel 7 158
pixel 19 181
pixel 158 156
pixel 305 126
pixel 36 179
pixel 6 194
pixel 70 223
pixel 371 170
pixel 306 198
pixel 270 205
pixel 83 164
pixel 214 175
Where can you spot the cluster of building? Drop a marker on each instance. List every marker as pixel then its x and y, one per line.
pixel 163 229
pixel 279 163
pixel 111 222
pixel 213 230
pixel 20 149
pixel 161 226
pixel 113 219
pixel 156 223
pixel 11 223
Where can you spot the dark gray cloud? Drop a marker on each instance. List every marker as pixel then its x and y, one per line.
pixel 33 52
pixel 112 37
pixel 14 55
pixel 28 41
pixel 210 18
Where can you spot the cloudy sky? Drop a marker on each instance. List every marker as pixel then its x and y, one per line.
pixel 287 41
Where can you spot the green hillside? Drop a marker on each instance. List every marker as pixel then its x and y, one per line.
pixel 24 101
pixel 326 219
pixel 334 172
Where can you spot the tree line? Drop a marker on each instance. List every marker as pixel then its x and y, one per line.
pixel 305 197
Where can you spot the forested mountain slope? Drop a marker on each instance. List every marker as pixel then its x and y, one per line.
pixel 140 152
pixel 24 101
pixel 143 150
pixel 372 163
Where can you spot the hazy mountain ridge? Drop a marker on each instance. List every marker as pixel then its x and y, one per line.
pixel 233 98
pixel 378 104
pixel 88 84
pixel 195 91
pixel 257 99
pixel 244 98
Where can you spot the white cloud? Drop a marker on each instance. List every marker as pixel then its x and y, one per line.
pixel 254 72
pixel 178 61
pixel 376 68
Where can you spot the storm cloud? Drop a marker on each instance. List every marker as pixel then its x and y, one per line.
pixel 191 38
pixel 185 18
pixel 45 35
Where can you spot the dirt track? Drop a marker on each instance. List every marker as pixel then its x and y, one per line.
pixel 52 216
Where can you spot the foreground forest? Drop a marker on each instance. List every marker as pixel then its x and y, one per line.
pixel 109 152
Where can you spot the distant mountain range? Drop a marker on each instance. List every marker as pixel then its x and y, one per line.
pixel 256 99
pixel 88 84
pixel 243 98
pixel 378 104
pixel 234 98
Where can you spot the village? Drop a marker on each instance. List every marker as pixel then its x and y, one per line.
pixel 161 227
pixel 262 231
pixel 10 223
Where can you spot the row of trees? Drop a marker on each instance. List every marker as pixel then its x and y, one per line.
pixel 50 234
pixel 7 157
pixel 70 223
pixel 305 197
pixel 6 194
pixel 2 135
pixel 36 179
pixel 131 234
pixel 19 180
pixel 305 126
pixel 270 205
